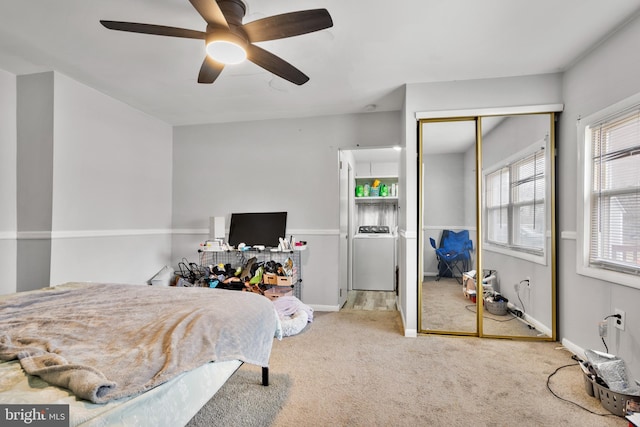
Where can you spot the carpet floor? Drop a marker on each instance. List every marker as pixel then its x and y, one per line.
pixel 354 368
pixel 445 308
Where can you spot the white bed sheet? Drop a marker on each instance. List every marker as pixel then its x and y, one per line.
pixel 171 404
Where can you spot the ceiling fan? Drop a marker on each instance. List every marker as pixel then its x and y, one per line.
pixel 229 41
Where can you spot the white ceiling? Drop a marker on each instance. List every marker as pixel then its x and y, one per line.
pixel 454 136
pixel 373 49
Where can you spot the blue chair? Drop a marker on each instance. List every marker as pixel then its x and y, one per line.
pixel 453 254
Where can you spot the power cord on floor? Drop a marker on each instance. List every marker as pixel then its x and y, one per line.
pixel 567 400
pixel 471 306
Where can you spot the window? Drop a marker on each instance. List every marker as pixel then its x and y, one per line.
pixel 614 223
pixel 515 204
pixel 608 223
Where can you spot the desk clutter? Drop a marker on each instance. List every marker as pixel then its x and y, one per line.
pixel 271 278
pixel 218 245
pixel 276 275
pixel 272 274
pixel 268 278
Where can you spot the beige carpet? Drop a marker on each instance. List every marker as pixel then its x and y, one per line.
pixel 445 308
pixel 354 368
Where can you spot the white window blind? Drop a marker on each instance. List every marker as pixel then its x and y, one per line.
pixel 497 203
pixel 615 193
pixel 528 189
pixel 515 204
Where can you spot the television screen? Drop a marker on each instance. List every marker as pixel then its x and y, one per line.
pixel 263 228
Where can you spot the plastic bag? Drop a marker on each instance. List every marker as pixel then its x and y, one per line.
pixel 613 371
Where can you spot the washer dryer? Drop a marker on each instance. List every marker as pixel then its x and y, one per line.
pixel 374 258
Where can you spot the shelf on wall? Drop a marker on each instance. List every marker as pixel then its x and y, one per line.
pixel 377 199
pixel 381 177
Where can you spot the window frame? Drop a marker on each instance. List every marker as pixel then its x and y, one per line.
pixel 584 175
pixel 518 251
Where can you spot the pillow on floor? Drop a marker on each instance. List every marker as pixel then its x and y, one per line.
pixel 292 325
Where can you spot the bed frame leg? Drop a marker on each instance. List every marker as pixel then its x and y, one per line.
pixel 265 376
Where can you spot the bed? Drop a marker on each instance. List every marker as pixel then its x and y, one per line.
pixel 129 354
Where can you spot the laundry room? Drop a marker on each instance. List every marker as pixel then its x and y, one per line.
pixel 372 218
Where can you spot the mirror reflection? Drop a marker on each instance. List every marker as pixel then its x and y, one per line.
pixel 512 253
pixel 448 224
pixel 517 225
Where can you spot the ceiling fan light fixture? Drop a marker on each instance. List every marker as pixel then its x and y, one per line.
pixel 229 41
pixel 226 52
pixel 227 48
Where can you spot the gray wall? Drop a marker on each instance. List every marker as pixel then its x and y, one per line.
pixel 444 201
pixel 93 186
pixel 34 179
pixel 8 210
pixel 272 165
pixel 602 78
pixel 112 178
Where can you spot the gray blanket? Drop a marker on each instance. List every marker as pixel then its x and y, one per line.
pixel 107 341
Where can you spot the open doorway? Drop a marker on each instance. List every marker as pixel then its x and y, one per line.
pixel 368 227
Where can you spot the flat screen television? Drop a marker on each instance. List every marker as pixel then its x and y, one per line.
pixel 261 228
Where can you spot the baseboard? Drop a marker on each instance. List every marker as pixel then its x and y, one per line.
pixel 316 307
pixel 539 326
pixel 531 321
pixel 408 332
pixel 573 348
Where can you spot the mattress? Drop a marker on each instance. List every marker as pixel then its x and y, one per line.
pixel 171 404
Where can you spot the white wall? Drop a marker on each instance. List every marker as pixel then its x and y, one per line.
pixel 273 165
pixel 604 77
pixel 8 210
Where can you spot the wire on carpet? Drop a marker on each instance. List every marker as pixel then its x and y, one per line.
pixel 567 400
pixel 471 306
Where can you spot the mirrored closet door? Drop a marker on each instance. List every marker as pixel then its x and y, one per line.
pixel 448 215
pixel 518 225
pixel 487 212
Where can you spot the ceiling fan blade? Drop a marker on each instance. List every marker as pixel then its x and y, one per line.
pixel 288 25
pixel 210 11
pixel 276 65
pixel 210 70
pixel 158 30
